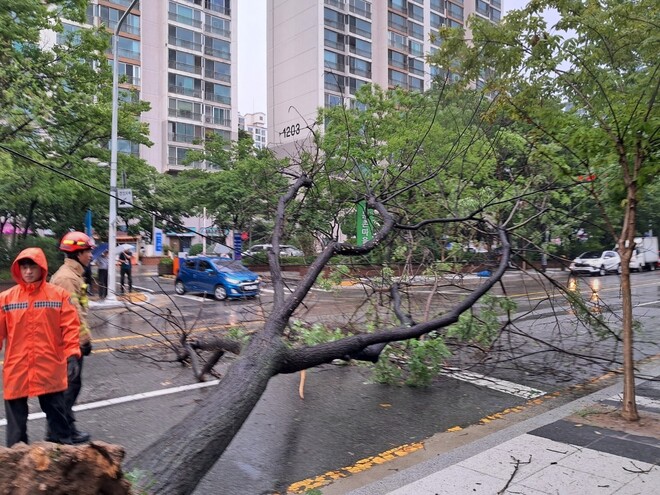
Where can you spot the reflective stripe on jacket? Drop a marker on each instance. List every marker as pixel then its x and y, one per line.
pixel 70 278
pixel 40 325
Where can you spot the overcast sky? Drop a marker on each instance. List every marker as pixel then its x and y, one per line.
pixel 252 52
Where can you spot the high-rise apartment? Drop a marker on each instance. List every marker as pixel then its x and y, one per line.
pixel 321 51
pixel 178 54
pixel 255 124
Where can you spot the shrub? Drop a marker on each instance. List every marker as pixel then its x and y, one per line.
pixel 49 246
pixel 195 249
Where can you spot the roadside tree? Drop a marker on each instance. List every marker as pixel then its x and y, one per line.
pixel 590 85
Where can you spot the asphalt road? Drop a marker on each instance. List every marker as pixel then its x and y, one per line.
pixel 345 419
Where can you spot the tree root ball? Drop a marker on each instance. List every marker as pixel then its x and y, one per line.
pixel 49 468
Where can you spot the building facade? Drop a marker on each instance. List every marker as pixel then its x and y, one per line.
pixel 320 52
pixel 255 124
pixel 181 58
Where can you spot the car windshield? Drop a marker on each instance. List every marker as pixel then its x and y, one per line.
pixel 230 266
pixel 590 255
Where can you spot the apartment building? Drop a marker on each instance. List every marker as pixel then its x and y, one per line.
pixel 179 57
pixel 255 124
pixel 320 52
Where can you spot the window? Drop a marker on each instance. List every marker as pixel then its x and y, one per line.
pixel 333 19
pixel 453 24
pixel 129 73
pixel 416 12
pixel 217 48
pixel 359 67
pixel 355 84
pixel 185 38
pixel 221 6
pixel 333 82
pixel 454 10
pixel 397 78
pixel 482 7
pixel 184 85
pixel 360 47
pixel 217 115
pixel 400 5
pixel 128 48
pixel 494 15
pixel 416 66
pixel 396 21
pixel 217 92
pixel 415 84
pixel 396 40
pixel 184 15
pixel 397 59
pixel 69 32
pixel 184 109
pixel 332 100
pixel 437 20
pixel 185 61
pixel 110 17
pixel 218 25
pixel 360 7
pixel 332 60
pixel 217 70
pixel 416 48
pixel 359 26
pixel 438 5
pixel 184 133
pixel 416 30
pixel 333 39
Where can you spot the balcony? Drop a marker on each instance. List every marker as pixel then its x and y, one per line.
pixel 209 119
pixel 215 52
pixel 338 4
pixel 184 114
pixel 181 138
pixel 191 45
pixel 225 33
pixel 181 90
pixel 226 100
pixel 193 69
pixel 218 76
pixel 189 21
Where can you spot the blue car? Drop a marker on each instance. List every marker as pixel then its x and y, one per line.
pixel 221 277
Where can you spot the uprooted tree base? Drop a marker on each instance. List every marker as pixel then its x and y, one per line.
pixel 45 467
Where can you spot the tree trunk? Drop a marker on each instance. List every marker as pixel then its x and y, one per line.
pixel 176 462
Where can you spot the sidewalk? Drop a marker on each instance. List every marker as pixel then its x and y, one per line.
pixel 580 448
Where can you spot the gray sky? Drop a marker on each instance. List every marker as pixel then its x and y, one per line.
pixel 252 52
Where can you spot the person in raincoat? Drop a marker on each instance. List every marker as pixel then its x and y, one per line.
pixel 40 326
pixel 77 246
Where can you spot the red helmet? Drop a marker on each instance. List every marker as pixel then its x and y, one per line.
pixel 76 241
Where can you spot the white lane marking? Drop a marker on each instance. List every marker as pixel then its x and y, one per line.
pixel 143 289
pixel 127 398
pixel 646 303
pixel 494 383
pixel 194 298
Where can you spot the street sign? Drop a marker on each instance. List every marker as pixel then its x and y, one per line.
pixel 125 198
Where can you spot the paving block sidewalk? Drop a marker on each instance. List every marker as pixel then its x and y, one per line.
pixel 581 448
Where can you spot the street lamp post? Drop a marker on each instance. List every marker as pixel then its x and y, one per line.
pixel 112 223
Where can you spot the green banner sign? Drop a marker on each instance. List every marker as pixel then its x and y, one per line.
pixel 364 230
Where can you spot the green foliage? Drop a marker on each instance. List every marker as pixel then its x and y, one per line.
pixel 166 261
pixel 482 325
pixel 239 334
pixel 141 482
pixel 415 362
pixel 8 252
pixel 195 249
pixel 317 333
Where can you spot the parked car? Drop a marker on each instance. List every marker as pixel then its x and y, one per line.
pixel 285 250
pixel 597 263
pixel 218 276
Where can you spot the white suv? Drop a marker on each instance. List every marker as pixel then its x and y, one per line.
pixel 285 250
pixel 597 262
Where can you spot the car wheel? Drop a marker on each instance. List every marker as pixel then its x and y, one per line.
pixel 652 267
pixel 618 269
pixel 602 272
pixel 179 288
pixel 220 293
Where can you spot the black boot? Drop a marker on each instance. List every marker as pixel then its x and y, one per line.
pixel 80 437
